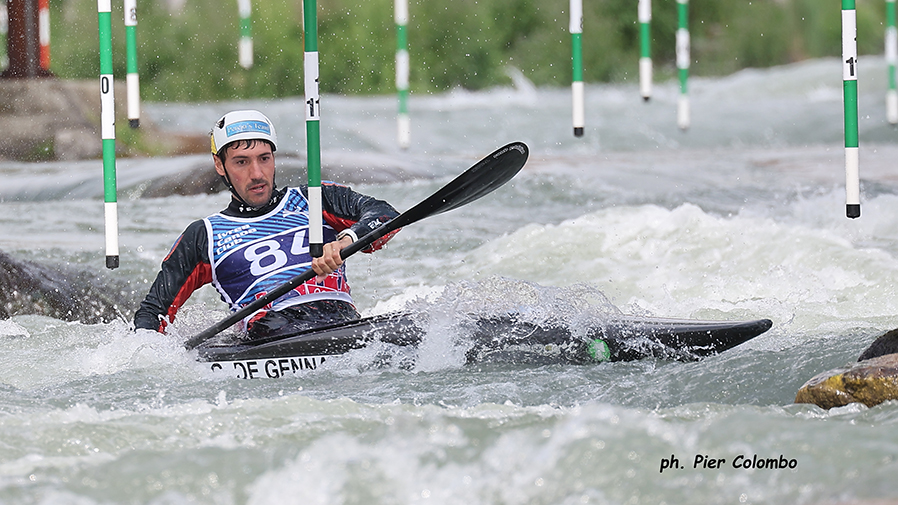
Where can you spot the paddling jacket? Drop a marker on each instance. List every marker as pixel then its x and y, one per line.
pixel 254 251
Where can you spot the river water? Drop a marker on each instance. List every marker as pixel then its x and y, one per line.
pixel 742 216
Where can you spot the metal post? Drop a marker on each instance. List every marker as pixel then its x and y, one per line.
pixel 245 47
pixel 402 71
pixel 4 29
pixel 683 57
pixel 132 78
pixel 313 127
pixel 577 90
pixel 43 28
pixel 849 97
pixel 891 61
pixel 107 130
pixel 23 40
pixel 645 48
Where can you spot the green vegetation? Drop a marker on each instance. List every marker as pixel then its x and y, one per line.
pixel 191 55
pixel 43 151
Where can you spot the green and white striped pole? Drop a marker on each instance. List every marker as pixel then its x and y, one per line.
pixel 245 47
pixel 891 61
pixel 645 49
pixel 132 79
pixel 683 58
pixel 107 130
pixel 313 126
pixel 849 97
pixel 576 28
pixel 402 69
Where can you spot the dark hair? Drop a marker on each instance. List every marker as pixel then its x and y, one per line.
pixel 246 143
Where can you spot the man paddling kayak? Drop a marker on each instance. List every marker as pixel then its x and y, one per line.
pixel 262 240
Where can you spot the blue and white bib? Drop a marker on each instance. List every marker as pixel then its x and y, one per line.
pixel 251 256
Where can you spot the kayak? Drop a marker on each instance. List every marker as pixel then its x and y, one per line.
pixel 507 339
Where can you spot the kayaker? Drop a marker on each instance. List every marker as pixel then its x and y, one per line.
pixel 261 240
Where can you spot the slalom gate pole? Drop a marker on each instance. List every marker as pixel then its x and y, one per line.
pixel 313 127
pixel 402 70
pixel 245 46
pixel 4 29
pixel 132 78
pixel 683 57
pixel 577 91
pixel 849 98
pixel 43 23
pixel 891 61
pixel 645 49
pixel 107 130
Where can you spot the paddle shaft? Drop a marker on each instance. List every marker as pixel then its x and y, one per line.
pixel 285 288
pixel 481 179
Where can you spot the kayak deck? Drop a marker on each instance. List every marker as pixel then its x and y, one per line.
pixel 506 339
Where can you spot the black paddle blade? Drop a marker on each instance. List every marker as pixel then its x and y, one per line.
pixel 478 181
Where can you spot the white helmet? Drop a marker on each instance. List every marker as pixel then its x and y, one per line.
pixel 242 125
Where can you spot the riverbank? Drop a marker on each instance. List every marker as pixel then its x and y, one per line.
pixel 55 119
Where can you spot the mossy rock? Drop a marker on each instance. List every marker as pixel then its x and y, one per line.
pixel 871 382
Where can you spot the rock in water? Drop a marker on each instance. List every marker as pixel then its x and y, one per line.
pixel 871 382
pixel 886 344
pixel 29 288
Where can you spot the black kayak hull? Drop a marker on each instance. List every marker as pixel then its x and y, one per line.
pixel 506 339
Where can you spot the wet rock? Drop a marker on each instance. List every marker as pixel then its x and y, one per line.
pixel 56 119
pixel 29 288
pixel 871 382
pixel 200 179
pixel 886 344
pixel 76 144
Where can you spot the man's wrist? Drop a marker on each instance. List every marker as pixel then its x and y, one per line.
pixel 347 233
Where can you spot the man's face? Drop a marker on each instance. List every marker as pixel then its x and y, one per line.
pixel 251 170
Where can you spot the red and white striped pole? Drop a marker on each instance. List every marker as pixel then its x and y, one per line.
pixel 43 23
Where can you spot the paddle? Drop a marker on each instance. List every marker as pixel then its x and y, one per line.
pixel 478 181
